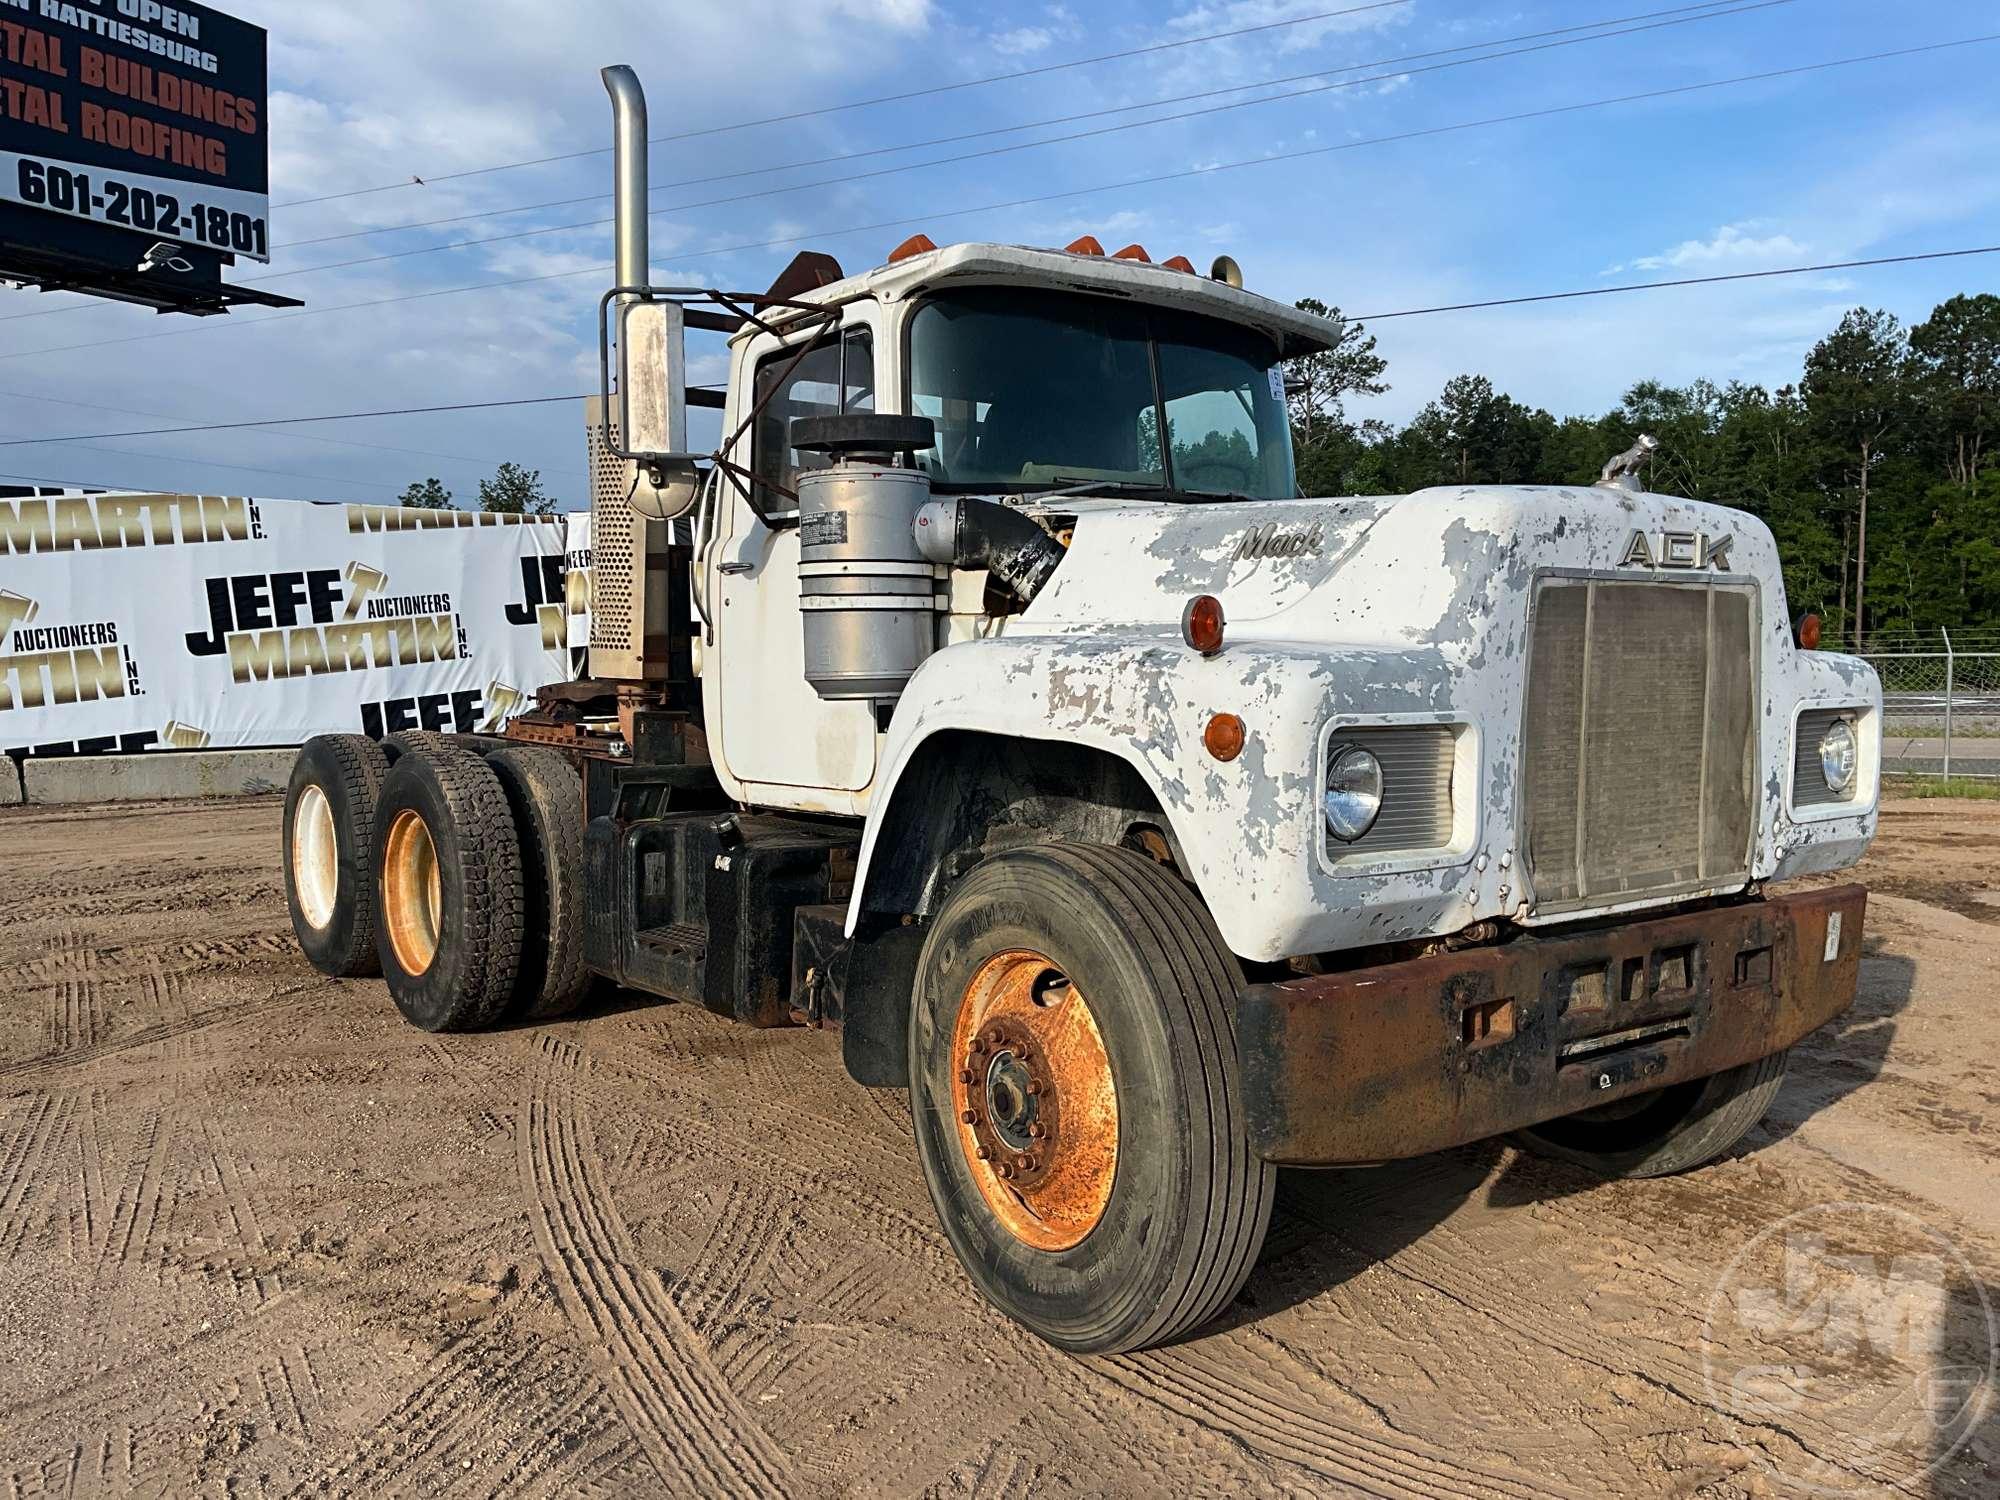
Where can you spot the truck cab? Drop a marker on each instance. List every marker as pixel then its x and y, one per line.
pixel 990 696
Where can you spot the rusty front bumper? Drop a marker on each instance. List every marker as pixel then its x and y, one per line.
pixel 1411 1057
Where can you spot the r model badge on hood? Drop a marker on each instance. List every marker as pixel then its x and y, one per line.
pixel 1676 549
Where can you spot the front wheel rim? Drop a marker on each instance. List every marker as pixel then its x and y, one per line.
pixel 315 858
pixel 412 893
pixel 1034 1100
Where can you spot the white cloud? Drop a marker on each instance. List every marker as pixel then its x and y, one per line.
pixel 1023 41
pixel 1733 247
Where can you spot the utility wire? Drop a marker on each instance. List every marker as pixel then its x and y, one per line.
pixel 209 463
pixel 1710 10
pixel 933 215
pixel 1657 286
pixel 349 416
pixel 1705 12
pixel 1354 318
pixel 831 109
pixel 462 459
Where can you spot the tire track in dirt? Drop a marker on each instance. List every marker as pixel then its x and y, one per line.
pixel 240 1217
pixel 23 1182
pixel 698 1436
pixel 456 1391
pixel 136 1218
pixel 1262 1411
pixel 88 1223
pixel 739 1246
pixel 53 1064
pixel 205 955
pixel 1434 1263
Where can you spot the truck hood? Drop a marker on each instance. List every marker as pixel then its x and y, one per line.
pixel 1428 569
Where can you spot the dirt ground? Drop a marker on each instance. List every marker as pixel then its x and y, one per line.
pixel 258 1237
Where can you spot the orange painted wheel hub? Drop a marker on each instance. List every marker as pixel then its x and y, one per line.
pixel 1036 1106
pixel 412 893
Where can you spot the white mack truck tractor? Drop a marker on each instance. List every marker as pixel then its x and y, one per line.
pixel 992 697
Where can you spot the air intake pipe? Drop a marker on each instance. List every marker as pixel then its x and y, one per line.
pixel 970 534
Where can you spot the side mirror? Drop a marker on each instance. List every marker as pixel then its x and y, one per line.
pixel 652 407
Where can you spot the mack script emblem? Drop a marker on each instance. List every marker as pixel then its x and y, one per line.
pixel 1676 549
pixel 1273 540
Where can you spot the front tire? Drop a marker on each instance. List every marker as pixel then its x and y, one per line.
pixel 448 891
pixel 1675 1129
pixel 1079 1114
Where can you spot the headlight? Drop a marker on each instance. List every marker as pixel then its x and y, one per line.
pixel 1353 793
pixel 1837 756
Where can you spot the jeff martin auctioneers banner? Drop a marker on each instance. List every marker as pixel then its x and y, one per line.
pixel 136 622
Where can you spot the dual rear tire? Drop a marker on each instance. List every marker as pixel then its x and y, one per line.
pixel 456 877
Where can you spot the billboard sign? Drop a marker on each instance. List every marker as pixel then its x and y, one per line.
pixel 133 137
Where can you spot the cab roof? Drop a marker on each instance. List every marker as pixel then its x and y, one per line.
pixel 1022 265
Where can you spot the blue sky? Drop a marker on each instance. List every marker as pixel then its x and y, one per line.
pixel 1878 159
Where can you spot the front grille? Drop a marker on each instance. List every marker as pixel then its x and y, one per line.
pixel 1416 764
pixel 1809 788
pixel 1637 774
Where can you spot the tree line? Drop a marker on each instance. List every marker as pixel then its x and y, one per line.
pixel 512 491
pixel 1876 469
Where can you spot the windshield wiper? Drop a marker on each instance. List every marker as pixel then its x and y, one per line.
pixel 1092 486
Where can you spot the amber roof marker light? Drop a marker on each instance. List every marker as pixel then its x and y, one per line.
pixel 1201 624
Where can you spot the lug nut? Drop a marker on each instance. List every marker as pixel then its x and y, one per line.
pixel 977 1048
pixel 1004 1170
pixel 1024 1162
pixel 1023 1054
pixel 965 1075
pixel 969 1116
pixel 1034 1086
pixel 994 1036
pixel 1038 1130
pixel 982 1152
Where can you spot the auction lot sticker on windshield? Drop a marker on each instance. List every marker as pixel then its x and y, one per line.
pixel 137 115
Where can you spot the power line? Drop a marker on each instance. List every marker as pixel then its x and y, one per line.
pixel 1656 286
pixel 1705 12
pixel 965 156
pixel 830 109
pixel 1355 318
pixel 1710 10
pixel 171 458
pixel 933 215
pixel 461 459
pixel 349 416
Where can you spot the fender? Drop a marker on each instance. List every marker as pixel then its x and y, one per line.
pixel 1243 826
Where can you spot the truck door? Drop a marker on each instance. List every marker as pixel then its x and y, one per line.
pixel 775 730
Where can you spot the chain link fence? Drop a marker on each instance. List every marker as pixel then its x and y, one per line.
pixel 1940 705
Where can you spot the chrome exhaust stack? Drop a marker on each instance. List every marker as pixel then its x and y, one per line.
pixel 630 168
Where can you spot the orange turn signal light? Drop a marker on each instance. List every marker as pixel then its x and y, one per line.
pixel 1084 245
pixel 916 244
pixel 1201 624
pixel 1224 736
pixel 1807 632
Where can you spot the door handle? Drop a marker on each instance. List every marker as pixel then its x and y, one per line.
pixel 734 568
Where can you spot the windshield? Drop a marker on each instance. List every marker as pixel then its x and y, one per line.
pixel 1034 390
